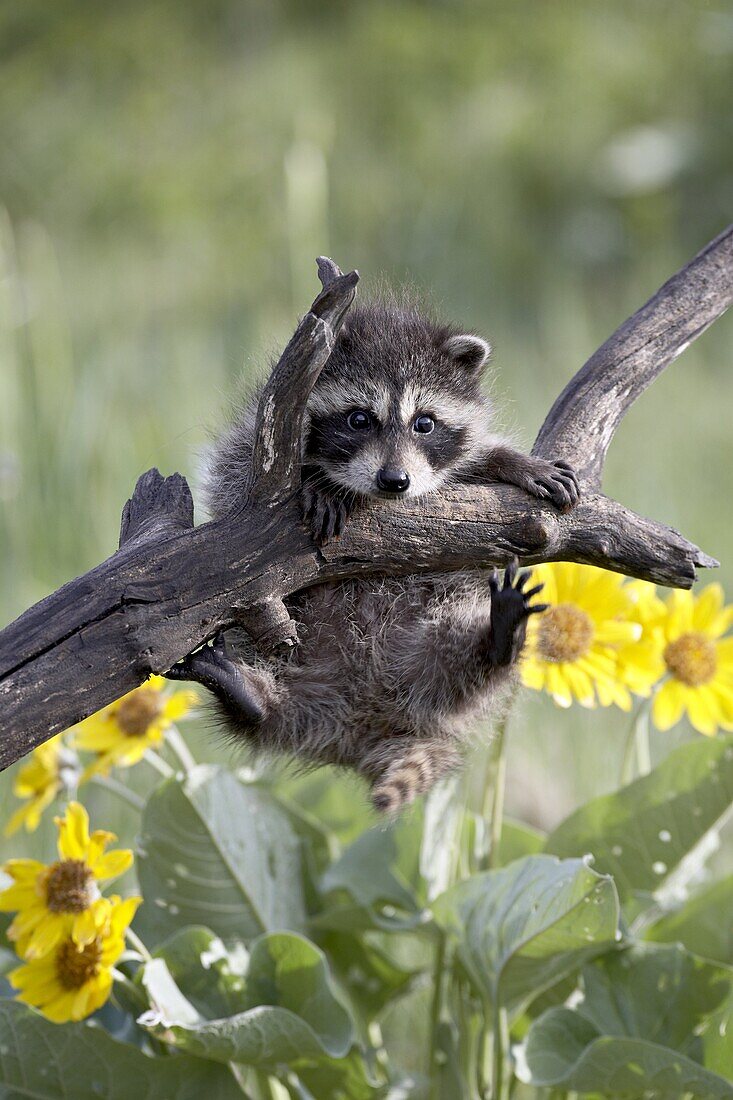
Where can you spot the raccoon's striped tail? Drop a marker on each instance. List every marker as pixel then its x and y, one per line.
pixel 412 773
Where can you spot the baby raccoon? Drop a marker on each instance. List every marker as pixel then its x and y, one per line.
pixel 390 674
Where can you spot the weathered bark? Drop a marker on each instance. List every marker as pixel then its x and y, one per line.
pixel 171 586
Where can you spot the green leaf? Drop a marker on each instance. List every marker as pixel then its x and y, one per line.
pixel 80 1062
pixel 659 993
pixel 642 833
pixel 563 1051
pixel 522 928
pixel 704 924
pixel 715 1035
pixel 640 1027
pixel 292 1012
pixel 210 975
pixel 376 883
pixel 343 1079
pixel 370 977
pixel 216 852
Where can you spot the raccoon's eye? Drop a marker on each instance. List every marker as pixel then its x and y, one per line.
pixel 424 424
pixel 359 420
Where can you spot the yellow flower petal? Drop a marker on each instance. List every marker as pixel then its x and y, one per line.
pixel 707 607
pixel 533 675
pixel 581 685
pixel 113 863
pixel 179 705
pixel 680 608
pixel 73 840
pixel 669 705
pixel 24 870
pixel 123 914
pixel 703 710
pixel 611 632
pixel 45 937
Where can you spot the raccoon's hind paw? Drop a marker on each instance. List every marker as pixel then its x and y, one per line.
pixel 324 513
pixel 212 667
pixel 556 482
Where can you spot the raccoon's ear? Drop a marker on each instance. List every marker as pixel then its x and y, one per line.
pixel 469 351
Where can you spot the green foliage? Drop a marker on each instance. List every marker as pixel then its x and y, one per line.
pixel 376 882
pixel 522 971
pixel 639 1028
pixel 77 1062
pixel 215 850
pixel 521 929
pixel 704 924
pixel 641 833
pixel 288 1010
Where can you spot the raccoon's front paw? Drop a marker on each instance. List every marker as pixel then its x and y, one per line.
pixel 510 609
pixel 554 481
pixel 324 513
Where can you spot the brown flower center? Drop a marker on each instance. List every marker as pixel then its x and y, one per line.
pixel 565 633
pixel 137 712
pixel 70 886
pixel 74 967
pixel 691 659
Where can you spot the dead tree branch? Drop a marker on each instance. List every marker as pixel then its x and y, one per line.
pixel 171 586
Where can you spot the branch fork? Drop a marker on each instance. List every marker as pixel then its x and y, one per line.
pixel 171 586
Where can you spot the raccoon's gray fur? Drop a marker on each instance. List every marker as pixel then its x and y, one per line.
pixel 391 674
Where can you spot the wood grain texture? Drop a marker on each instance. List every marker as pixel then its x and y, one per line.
pixel 171 586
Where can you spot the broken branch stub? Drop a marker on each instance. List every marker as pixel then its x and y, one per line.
pixel 277 449
pixel 171 586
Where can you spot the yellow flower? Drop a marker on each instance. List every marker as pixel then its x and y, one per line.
pixel 572 648
pixel 641 664
pixel 70 982
pixel 51 769
pixel 62 901
pixel 121 733
pixel 699 661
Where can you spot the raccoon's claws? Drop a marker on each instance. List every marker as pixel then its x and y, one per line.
pixel 324 513
pixel 199 666
pixel 510 609
pixel 213 667
pixel 556 482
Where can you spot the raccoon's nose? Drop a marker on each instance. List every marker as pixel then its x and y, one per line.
pixel 393 481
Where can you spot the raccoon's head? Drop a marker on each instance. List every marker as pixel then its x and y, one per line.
pixel 398 407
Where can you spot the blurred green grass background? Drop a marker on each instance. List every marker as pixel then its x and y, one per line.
pixel 169 171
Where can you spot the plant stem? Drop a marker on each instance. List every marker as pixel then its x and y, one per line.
pixel 138 944
pixel 499 784
pixel 501 1045
pixel 158 763
pixel 637 743
pixel 627 760
pixel 643 754
pixel 439 979
pixel 265 1085
pixel 120 789
pixel 176 742
pixel 134 990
